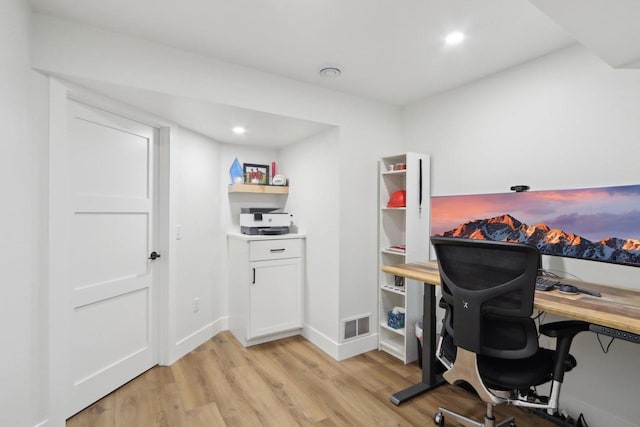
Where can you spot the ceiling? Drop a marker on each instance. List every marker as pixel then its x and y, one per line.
pixel 609 28
pixel 389 50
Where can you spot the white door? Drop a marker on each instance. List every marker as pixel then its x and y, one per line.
pixel 112 307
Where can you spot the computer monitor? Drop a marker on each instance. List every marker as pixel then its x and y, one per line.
pixel 599 224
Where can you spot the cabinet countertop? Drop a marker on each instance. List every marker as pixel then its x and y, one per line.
pixel 240 236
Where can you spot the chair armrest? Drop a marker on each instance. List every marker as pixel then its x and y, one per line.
pixel 567 328
pixel 564 332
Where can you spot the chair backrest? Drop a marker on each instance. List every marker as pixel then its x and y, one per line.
pixel 489 289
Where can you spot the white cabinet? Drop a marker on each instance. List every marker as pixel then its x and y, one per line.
pixel 403 237
pixel 266 285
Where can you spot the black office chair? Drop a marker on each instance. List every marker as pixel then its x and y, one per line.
pixel 489 339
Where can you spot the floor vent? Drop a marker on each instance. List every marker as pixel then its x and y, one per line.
pixel 355 327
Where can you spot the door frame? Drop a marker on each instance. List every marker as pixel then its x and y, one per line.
pixel 58 203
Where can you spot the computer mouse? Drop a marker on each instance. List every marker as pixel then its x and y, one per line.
pixel 568 289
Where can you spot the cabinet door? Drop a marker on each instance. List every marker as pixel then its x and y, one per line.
pixel 275 296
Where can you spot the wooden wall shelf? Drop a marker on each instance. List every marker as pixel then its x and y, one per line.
pixel 258 189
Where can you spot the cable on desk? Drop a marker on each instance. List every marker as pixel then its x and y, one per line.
pixel 538 319
pixel 582 422
pixel 562 274
pixel 605 351
pixel 549 273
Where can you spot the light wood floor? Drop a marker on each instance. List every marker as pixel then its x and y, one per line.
pixel 284 383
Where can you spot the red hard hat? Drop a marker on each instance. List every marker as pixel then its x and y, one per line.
pixel 398 199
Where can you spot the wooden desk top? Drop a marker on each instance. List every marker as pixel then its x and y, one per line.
pixel 618 308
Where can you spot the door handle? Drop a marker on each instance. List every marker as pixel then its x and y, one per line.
pixel 154 255
pixel 254 277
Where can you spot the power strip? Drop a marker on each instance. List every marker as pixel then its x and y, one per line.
pixel 623 335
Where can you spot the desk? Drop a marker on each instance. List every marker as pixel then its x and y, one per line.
pixel 618 308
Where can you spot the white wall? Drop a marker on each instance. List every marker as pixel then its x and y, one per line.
pixel 22 363
pixel 564 121
pixel 374 135
pixel 368 129
pixel 231 203
pixel 197 252
pixel 312 168
pixel 38 125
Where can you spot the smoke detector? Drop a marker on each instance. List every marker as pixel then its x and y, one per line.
pixel 330 72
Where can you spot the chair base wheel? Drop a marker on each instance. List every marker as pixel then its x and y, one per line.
pixel 489 421
pixel 438 419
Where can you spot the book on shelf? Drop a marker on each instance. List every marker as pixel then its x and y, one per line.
pixel 397 248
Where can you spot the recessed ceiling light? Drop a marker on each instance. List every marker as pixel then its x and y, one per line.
pixel 331 72
pixel 454 38
pixel 238 130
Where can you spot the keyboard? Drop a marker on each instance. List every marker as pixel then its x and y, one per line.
pixel 545 284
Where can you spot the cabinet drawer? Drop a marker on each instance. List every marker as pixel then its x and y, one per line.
pixel 275 249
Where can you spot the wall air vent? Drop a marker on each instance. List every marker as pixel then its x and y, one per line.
pixel 357 326
pixel 363 325
pixel 350 329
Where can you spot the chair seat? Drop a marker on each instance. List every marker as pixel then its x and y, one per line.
pixel 506 374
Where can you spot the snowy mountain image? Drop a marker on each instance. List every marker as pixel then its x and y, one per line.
pixel 548 240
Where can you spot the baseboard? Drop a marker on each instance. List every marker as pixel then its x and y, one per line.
pixel 340 351
pixel 197 338
pixel 321 341
pixel 358 346
pixel 42 423
pixel 266 338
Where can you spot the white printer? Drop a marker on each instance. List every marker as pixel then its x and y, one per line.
pixel 264 221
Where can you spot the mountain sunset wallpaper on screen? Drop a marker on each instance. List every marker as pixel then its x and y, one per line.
pixel 601 224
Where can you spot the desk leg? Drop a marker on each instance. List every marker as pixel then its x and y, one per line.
pixel 430 364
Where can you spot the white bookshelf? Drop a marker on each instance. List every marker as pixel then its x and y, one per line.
pixel 402 226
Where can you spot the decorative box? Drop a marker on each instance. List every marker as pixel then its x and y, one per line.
pixel 395 320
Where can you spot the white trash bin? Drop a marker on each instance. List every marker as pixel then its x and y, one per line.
pixel 419 337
